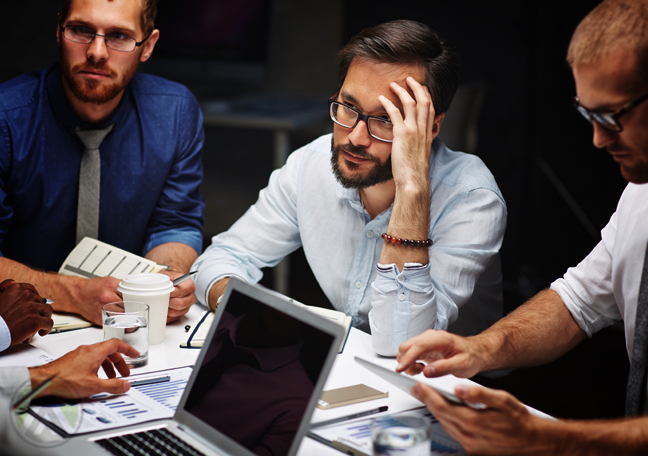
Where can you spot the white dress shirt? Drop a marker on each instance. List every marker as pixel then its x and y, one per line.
pixel 304 205
pixel 604 287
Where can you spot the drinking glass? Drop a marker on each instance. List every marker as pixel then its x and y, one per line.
pixel 128 321
pixel 405 434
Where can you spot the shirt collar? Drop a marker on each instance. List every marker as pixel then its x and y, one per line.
pixel 64 112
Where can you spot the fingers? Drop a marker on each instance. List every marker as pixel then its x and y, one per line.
pixel 113 386
pixel 415 348
pixel 424 106
pixel 119 362
pixel 108 368
pixel 495 399
pixel 5 284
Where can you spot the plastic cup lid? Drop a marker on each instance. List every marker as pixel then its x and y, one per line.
pixel 146 283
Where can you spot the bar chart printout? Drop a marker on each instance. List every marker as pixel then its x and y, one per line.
pixel 105 411
pixel 356 436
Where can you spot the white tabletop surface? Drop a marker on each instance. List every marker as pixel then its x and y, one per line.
pixel 345 371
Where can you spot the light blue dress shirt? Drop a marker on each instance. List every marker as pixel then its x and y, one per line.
pixel 304 205
pixel 5 335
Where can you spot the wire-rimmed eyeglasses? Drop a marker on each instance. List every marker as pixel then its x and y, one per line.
pixel 115 41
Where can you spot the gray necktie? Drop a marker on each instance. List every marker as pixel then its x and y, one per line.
pixel 89 182
pixel 635 394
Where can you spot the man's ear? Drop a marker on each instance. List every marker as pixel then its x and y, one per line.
pixel 150 45
pixel 438 120
pixel 58 29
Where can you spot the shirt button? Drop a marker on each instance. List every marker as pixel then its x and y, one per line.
pixel 401 297
pixel 358 284
pixel 369 234
pixel 401 278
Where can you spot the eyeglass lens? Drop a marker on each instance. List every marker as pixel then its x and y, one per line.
pixel 84 35
pixel 347 118
pixel 604 119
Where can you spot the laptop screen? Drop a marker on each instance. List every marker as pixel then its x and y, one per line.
pixel 258 375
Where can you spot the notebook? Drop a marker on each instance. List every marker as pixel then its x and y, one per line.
pixel 253 388
pixel 200 329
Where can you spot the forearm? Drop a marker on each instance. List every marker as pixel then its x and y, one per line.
pixel 410 219
pixel 63 290
pixel 539 331
pixel 179 257
pixel 574 438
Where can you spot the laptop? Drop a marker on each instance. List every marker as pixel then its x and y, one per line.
pixel 252 391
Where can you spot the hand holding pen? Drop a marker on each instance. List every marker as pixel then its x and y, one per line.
pixel 24 311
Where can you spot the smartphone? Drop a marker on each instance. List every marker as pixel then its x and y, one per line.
pixel 349 395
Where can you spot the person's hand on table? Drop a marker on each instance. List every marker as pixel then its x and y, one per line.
pixel 504 427
pixel 24 311
pixel 443 353
pixel 182 298
pixel 76 372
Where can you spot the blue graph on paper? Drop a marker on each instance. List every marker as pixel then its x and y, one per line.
pixel 167 394
pixel 142 403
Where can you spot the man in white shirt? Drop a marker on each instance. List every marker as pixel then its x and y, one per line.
pixel 399 231
pixel 608 55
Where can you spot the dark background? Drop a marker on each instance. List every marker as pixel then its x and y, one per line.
pixel 528 135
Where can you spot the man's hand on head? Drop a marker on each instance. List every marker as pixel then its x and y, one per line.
pixel 24 311
pixel 414 131
pixel 76 372
pixel 182 298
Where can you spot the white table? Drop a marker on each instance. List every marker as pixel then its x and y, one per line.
pixel 345 370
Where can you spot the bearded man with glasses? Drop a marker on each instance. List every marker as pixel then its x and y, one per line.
pixel 89 147
pixel 401 233
pixel 608 55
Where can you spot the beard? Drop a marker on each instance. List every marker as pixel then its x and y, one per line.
pixel 379 173
pixel 91 90
pixel 636 175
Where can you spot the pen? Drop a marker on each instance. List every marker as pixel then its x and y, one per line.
pixel 181 279
pixel 150 381
pixel 48 301
pixel 35 392
pixel 384 408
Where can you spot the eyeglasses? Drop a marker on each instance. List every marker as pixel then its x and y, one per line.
pixel 347 117
pixel 609 120
pixel 115 41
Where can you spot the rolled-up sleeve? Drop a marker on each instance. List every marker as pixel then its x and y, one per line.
pixel 586 290
pixel 245 248
pixel 467 237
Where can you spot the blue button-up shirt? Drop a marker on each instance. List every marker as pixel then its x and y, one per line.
pixel 305 205
pixel 151 168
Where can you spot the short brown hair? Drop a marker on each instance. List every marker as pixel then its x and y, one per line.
pixel 407 43
pixel 612 25
pixel 148 14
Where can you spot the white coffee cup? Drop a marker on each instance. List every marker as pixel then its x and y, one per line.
pixel 152 289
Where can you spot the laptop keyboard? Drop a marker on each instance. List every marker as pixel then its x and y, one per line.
pixel 156 442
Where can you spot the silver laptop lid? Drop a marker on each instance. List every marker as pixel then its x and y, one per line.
pixel 259 374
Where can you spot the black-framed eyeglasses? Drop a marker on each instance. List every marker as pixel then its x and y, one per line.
pixel 609 120
pixel 115 41
pixel 347 117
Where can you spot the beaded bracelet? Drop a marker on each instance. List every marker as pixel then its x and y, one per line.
pixel 398 241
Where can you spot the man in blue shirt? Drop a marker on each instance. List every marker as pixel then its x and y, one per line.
pixel 381 171
pixel 150 161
